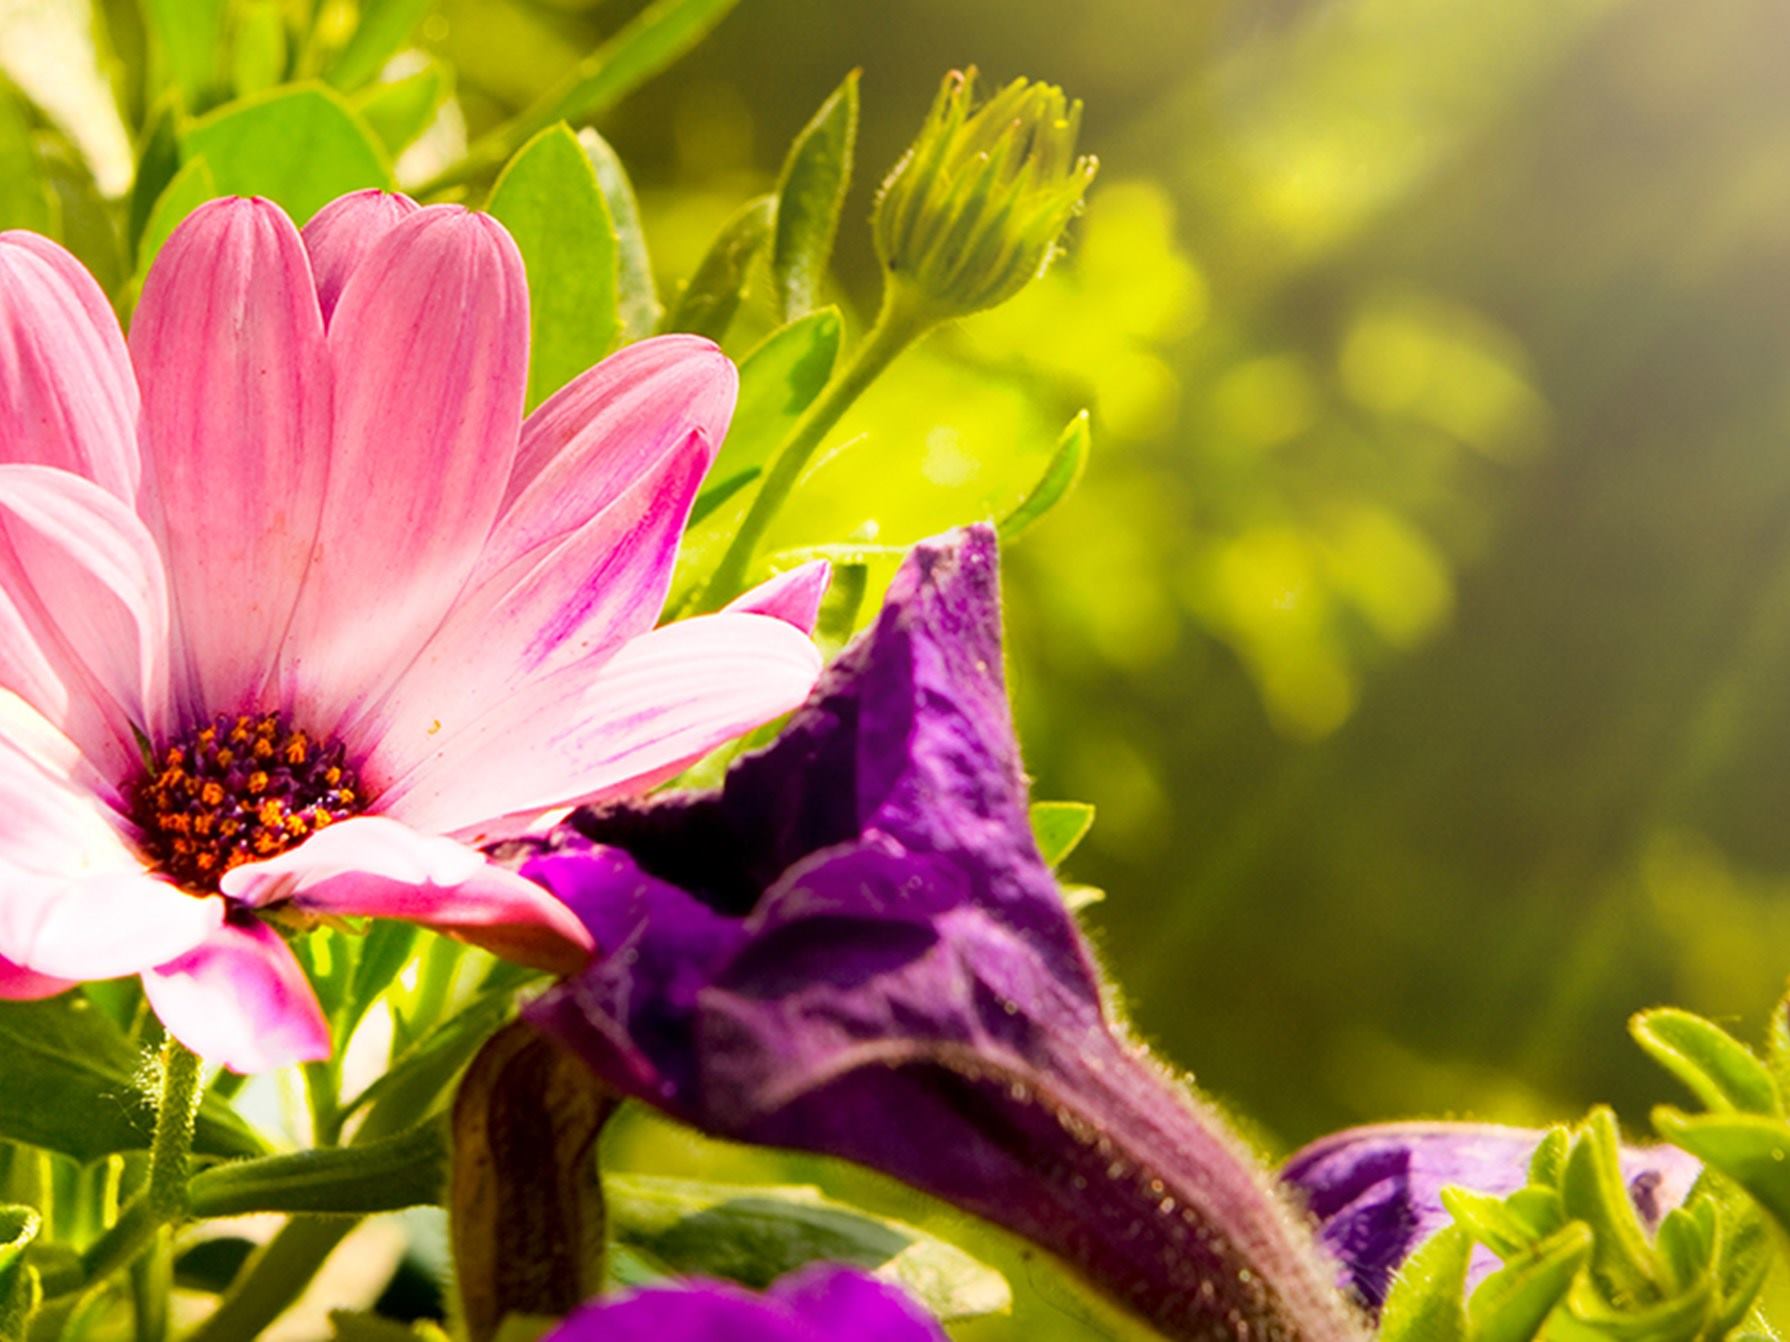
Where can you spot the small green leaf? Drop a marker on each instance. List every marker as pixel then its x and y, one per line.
pixel 1059 826
pixel 779 379
pixel 401 109
pixel 1720 1070
pixel 1505 1229
pixel 756 1233
pixel 1548 1165
pixel 1063 473
pixel 301 147
pixel 1514 1302
pixel 157 163
pixel 73 1085
pixel 838 617
pixel 381 954
pixel 191 187
pixel 1079 897
pixel 549 199
pixel 19 1292
pixel 258 49
pixel 636 300
pixel 646 45
pixel 1751 1149
pixel 25 197
pixel 189 37
pixel 810 193
pixel 384 27
pixel 407 1170
pixel 1594 1191
pixel 1427 1302
pixel 714 293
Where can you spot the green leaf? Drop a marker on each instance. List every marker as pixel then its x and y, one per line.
pixel 756 1233
pixel 653 40
pixel 157 164
pixel 839 608
pixel 718 493
pixel 301 147
pixel 1720 1070
pixel 1059 826
pixel 401 109
pixel 19 1292
pixel 73 1085
pixel 810 193
pixel 381 954
pixel 258 49
pixel 86 220
pixel 406 1170
pixel 714 293
pixel 549 199
pixel 1427 1302
pixel 1777 1045
pixel 1594 1191
pixel 1751 1149
pixel 1063 473
pixel 353 1326
pixel 384 27
pixel 1514 1302
pixel 189 34
pixel 779 379
pixel 25 197
pixel 1507 1231
pixel 636 300
pixel 192 186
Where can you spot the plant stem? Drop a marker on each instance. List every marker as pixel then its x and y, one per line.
pixel 274 1278
pixel 901 322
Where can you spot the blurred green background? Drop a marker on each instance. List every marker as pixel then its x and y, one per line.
pixel 1422 629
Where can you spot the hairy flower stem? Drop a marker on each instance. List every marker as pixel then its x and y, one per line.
pixel 902 321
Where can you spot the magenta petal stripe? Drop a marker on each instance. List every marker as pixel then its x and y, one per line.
pixel 229 345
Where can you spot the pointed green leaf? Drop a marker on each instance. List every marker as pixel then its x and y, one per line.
pixel 1720 1070
pixel 549 200
pixel 401 109
pixel 1548 1165
pixel 192 186
pixel 1594 1191
pixel 407 1170
pixel 1059 827
pixel 19 1291
pixel 779 379
pixel 157 163
pixel 718 493
pixel 636 300
pixel 1746 1252
pixel 25 197
pixel 1680 1318
pixel 1514 1302
pixel 838 617
pixel 1752 1150
pixel 1063 473
pixel 189 38
pixel 384 27
pixel 73 1085
pixel 756 1233
pixel 1427 1302
pixel 301 147
pixel 810 193
pixel 258 48
pixel 709 301
pixel 379 957
pixel 1506 1229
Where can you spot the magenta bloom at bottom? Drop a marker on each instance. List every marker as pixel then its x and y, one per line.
pixel 817 1304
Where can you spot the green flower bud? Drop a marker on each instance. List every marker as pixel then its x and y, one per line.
pixel 972 212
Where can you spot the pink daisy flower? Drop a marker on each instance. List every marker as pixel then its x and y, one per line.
pixel 296 608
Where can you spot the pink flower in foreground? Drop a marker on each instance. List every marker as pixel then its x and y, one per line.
pixel 295 607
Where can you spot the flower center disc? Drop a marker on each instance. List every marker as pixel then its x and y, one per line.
pixel 241 790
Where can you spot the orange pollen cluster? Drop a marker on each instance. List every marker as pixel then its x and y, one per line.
pixel 240 790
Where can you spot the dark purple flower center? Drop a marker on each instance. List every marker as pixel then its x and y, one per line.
pixel 240 790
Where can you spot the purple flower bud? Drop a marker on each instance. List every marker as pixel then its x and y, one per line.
pixel 1377 1191
pixel 817 1304
pixel 853 947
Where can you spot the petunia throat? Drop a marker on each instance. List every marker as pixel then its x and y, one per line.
pixel 239 790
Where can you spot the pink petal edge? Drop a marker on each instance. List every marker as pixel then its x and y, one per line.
pixel 792 597
pixel 240 999
pixel 344 232
pixel 18 984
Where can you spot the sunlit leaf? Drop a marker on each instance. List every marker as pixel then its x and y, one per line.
pixel 549 199
pixel 1720 1070
pixel 810 194
pixel 712 297
pixel 1427 1302
pixel 1514 1302
pixel 189 35
pixel 1065 470
pixel 636 300
pixel 190 188
pixel 1059 827
pixel 156 166
pixel 258 47
pixel 779 379
pixel 300 147
pixel 384 27
pixel 401 109
pixel 18 1281
pixel 25 197
pixel 1751 1149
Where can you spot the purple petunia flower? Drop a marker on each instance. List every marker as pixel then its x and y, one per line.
pixel 818 1304
pixel 1377 1190
pixel 853 947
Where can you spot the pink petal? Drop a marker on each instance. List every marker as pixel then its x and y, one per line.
pixel 67 394
pixel 591 440
pixel 241 1000
pixel 229 348
pixel 75 901
pixel 792 597
pixel 84 611
pixel 430 346
pixel 374 867
pixel 18 984
pixel 666 699
pixel 342 234
pixel 573 603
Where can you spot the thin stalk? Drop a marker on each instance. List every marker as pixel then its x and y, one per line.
pixel 901 322
pixel 275 1277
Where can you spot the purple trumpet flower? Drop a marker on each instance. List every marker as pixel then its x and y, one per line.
pixel 853 947
pixel 818 1304
pixel 1377 1190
